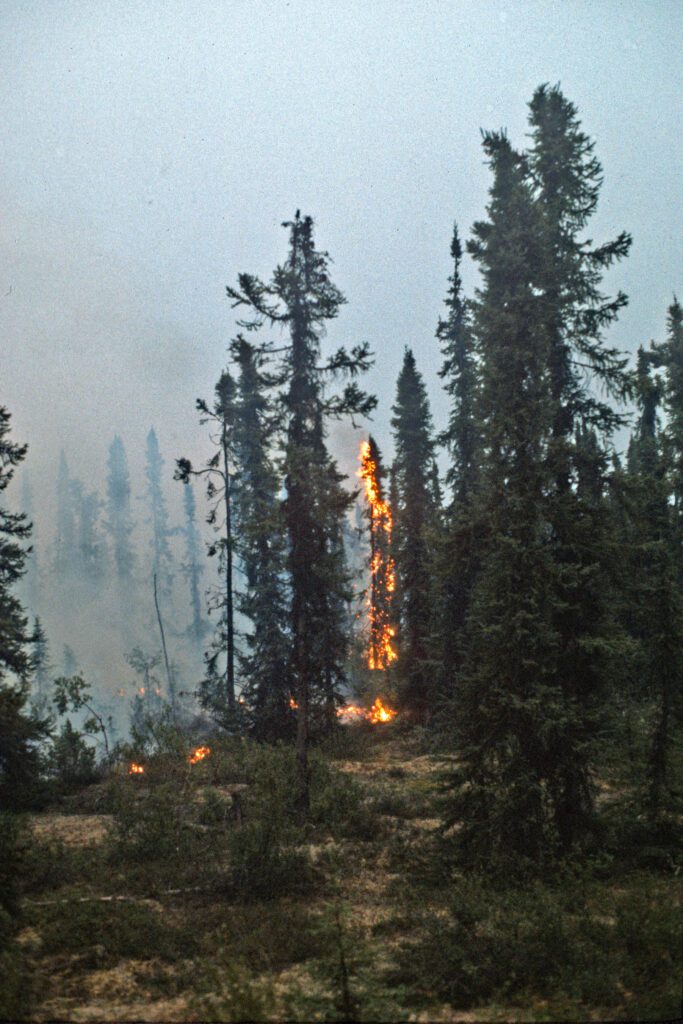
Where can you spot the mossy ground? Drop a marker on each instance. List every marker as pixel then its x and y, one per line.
pixel 148 902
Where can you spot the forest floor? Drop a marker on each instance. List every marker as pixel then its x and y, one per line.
pixel 132 910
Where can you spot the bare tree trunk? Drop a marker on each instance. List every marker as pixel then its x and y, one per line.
pixel 169 675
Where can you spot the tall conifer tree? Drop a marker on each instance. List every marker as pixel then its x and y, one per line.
pixel 671 358
pixel 456 553
pixel 302 298
pixel 162 560
pixel 508 709
pixel 586 379
pixel 415 517
pixel 119 522
pixel 656 594
pixel 262 548
pixel 65 540
pixel 218 688
pixel 20 730
pixel 540 635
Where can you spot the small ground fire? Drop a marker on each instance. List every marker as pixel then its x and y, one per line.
pixel 379 713
pixel 199 754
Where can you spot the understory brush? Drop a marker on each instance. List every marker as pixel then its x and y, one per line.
pixel 231 820
pixel 101 933
pixel 16 988
pixel 556 946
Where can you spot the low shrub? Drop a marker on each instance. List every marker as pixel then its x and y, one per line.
pixel 148 823
pixel 395 802
pixel 523 945
pixel 349 743
pixel 16 988
pixel 262 865
pixel 71 761
pixel 104 932
pixel 339 804
pixel 266 936
pixel 228 990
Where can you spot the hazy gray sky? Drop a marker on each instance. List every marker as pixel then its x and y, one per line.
pixel 151 150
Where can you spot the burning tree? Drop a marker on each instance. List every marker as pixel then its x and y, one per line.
pixel 381 649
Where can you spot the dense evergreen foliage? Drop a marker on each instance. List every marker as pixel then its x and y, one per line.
pixel 265 662
pixel 301 298
pixel 20 729
pixel 414 520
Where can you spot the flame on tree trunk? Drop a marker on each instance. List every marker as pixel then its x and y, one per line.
pixel 381 648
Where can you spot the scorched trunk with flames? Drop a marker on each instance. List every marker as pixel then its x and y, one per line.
pixel 381 645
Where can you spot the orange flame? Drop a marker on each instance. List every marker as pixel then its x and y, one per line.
pixel 382 650
pixel 379 713
pixel 293 704
pixel 199 754
pixel 350 712
pixel 136 769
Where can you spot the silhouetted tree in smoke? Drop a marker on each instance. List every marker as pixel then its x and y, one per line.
pixel 65 540
pixel 162 562
pixel 119 522
pixel 69 662
pixel 41 664
pixel 90 550
pixel 217 692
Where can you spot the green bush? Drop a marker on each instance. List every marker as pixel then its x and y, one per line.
pixel 339 803
pixel 229 991
pixel 262 865
pixel 542 943
pixel 71 760
pixel 266 936
pixel 395 802
pixel 15 980
pixel 150 825
pixel 349 743
pixel 107 932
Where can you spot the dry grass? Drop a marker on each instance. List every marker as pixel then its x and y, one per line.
pixel 72 830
